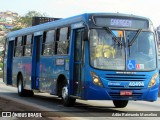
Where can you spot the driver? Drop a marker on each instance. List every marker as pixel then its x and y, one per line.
pixel 104 47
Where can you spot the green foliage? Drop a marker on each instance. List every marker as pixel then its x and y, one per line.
pixel 1 53
pixel 16 28
pixel 1 68
pixel 1 65
pixel 2 28
pixel 1 74
pixel 27 18
pixel 2 41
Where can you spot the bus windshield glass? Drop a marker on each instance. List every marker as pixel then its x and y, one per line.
pixel 141 54
pixel 107 54
pixel 105 51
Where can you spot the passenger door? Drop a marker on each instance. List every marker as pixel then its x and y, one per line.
pixel 36 62
pixel 78 62
pixel 9 60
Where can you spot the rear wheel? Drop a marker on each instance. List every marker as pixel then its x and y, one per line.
pixel 67 100
pixel 120 103
pixel 29 93
pixel 21 90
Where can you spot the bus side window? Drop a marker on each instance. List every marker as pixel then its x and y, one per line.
pixel 6 48
pixel 28 45
pixel 15 44
pixel 18 47
pixel 48 46
pixel 63 41
pixel 23 44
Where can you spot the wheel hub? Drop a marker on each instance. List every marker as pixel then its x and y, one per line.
pixel 20 87
pixel 65 92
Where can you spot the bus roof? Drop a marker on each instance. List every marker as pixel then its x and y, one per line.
pixel 64 22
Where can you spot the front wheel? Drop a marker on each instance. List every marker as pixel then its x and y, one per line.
pixel 120 103
pixel 67 101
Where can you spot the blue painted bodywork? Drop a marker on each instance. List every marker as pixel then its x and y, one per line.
pixel 43 75
pixel 49 72
pixel 22 65
pixel 112 92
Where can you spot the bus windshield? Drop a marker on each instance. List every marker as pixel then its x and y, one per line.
pixel 107 54
pixel 142 53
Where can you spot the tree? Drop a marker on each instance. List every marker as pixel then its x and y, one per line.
pixel 16 28
pixel 3 40
pixel 26 20
pixel 2 28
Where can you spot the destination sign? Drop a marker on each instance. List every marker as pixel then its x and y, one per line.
pixel 121 22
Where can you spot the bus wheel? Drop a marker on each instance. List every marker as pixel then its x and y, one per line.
pixel 120 103
pixel 67 101
pixel 29 93
pixel 21 91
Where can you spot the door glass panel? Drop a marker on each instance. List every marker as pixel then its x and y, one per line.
pixel 77 62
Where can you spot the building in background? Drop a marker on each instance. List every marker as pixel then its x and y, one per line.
pixel 8 18
pixel 7 21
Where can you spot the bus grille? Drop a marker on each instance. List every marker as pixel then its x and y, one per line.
pixel 125 78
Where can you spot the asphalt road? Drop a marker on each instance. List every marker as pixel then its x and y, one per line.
pixel 52 107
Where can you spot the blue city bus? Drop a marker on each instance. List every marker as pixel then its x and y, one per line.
pixel 95 56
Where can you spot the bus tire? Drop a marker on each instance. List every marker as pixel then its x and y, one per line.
pixel 67 101
pixel 21 90
pixel 120 103
pixel 30 93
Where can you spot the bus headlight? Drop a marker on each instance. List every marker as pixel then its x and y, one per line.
pixel 153 80
pixel 96 80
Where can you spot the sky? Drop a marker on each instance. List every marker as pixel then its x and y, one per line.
pixel 67 8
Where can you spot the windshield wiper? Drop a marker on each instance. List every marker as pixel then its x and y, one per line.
pixel 114 36
pixel 134 38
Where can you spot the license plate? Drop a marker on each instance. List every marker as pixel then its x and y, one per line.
pixel 125 93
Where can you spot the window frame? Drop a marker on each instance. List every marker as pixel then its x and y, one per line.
pixel 47 42
pixel 18 48
pixel 60 41
pixel 27 44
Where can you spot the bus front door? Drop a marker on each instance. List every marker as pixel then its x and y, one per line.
pixel 36 62
pixel 78 61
